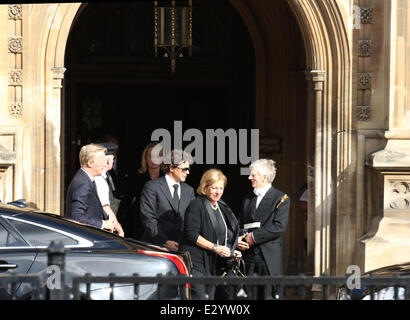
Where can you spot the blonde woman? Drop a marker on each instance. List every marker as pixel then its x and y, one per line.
pixel 147 165
pixel 129 214
pixel 211 231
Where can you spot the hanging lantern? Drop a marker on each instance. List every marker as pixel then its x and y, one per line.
pixel 173 30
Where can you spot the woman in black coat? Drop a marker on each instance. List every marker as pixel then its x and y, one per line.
pixel 210 231
pixel 128 212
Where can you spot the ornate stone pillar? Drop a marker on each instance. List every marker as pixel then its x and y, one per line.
pixel 390 243
pixel 319 129
pixel 11 102
pixel 53 140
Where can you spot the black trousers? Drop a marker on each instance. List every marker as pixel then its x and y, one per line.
pixel 210 292
pixel 255 265
pixel 201 291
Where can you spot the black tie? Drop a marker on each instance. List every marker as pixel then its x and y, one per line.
pixel 175 197
pixel 252 208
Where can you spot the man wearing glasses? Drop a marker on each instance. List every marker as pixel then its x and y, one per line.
pixel 164 201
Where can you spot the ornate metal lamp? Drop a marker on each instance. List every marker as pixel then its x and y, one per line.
pixel 173 29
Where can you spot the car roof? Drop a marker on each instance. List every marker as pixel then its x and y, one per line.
pixel 11 208
pixel 96 233
pixel 401 268
pixel 55 220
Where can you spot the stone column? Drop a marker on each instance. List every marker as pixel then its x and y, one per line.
pixel 53 140
pixel 319 129
pixel 391 242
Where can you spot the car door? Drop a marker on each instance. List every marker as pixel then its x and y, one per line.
pixel 39 234
pixel 16 256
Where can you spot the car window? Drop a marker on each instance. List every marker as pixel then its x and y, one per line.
pixel 8 240
pixel 38 236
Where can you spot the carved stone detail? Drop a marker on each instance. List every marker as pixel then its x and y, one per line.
pixel 6 155
pixel 364 81
pixel 366 15
pixel 365 48
pixel 16 109
pixel 15 11
pixel 363 113
pixel 15 44
pixel 15 77
pixel 399 194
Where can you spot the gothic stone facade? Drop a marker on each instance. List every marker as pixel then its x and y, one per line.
pixel 358 146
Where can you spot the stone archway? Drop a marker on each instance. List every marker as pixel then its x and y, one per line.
pixel 329 142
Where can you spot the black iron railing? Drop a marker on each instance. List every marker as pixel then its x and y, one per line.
pixel 235 288
pixel 303 285
pixel 10 282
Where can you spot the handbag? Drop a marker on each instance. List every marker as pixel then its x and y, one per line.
pixel 236 269
pixel 233 268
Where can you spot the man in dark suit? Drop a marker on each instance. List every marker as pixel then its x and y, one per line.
pixel 164 201
pixel 82 202
pixel 264 215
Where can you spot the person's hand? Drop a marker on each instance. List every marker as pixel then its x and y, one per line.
pixel 171 245
pixel 118 229
pixel 249 239
pixel 242 245
pixel 223 251
pixel 238 255
pixel 108 225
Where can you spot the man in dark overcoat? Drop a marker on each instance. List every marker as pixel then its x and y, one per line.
pixel 264 216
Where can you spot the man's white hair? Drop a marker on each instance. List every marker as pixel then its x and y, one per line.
pixel 265 167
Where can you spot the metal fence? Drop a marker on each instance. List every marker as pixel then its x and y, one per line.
pixel 237 288
pixel 10 282
pixel 304 286
pixel 234 287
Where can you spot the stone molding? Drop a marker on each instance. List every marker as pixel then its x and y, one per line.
pixel 365 48
pixel 15 77
pixel 364 81
pixel 399 194
pixel 366 15
pixel 363 113
pixel 16 109
pixel 15 11
pixel 15 44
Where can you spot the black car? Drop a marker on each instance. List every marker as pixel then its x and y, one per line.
pixel 380 292
pixel 26 233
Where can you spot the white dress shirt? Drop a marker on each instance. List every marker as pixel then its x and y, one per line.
pixel 103 190
pixel 260 193
pixel 171 183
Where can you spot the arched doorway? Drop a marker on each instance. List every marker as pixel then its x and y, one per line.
pixel 115 85
pixel 327 65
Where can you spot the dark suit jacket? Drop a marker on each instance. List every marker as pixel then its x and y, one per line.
pixel 273 224
pixel 129 211
pixel 82 202
pixel 161 220
pixel 198 223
